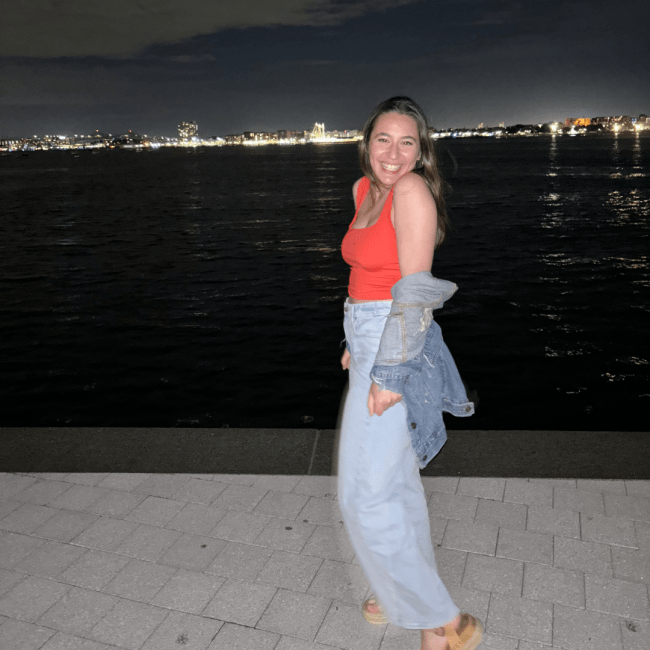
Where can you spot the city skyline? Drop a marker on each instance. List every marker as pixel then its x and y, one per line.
pixel 253 65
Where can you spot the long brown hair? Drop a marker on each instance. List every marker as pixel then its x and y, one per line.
pixel 428 165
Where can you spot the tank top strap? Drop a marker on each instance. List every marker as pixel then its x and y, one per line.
pixel 362 190
pixel 388 205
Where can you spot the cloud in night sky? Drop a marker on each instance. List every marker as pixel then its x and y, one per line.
pixel 72 66
pixel 55 28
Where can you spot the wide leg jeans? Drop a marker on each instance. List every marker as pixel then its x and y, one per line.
pixel 380 492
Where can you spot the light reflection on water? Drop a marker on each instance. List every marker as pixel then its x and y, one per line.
pixel 208 290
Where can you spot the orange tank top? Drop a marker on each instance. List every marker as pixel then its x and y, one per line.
pixel 371 253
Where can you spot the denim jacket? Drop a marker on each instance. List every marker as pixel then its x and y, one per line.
pixel 414 361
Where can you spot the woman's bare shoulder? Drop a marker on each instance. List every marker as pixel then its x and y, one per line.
pixel 410 183
pixel 355 189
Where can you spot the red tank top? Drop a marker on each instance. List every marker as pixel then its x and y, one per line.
pixel 371 253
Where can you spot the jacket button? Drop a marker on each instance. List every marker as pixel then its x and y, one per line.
pixel 413 425
pixel 424 457
pixel 468 409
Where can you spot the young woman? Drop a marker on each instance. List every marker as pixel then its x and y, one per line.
pixel 402 377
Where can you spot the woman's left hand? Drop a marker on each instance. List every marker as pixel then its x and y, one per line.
pixel 380 400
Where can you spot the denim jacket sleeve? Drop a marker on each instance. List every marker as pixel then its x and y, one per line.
pixel 415 297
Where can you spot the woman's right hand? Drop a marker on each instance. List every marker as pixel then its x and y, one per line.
pixel 345 360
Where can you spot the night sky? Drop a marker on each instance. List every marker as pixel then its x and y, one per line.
pixel 73 66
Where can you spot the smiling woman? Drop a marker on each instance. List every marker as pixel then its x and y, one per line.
pixel 396 359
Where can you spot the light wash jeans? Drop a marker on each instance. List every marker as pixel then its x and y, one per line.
pixel 380 492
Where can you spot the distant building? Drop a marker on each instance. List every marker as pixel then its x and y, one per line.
pixel 577 121
pixel 187 130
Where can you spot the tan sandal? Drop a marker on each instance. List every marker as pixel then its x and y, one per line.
pixel 467 637
pixel 376 618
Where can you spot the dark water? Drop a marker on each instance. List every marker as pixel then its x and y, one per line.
pixel 174 288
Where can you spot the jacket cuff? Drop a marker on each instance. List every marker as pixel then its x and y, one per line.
pixel 387 379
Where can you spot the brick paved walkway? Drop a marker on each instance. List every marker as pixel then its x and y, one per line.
pixel 239 562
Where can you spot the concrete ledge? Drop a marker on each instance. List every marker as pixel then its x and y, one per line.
pixel 530 454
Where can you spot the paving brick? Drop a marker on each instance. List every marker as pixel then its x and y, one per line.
pixel 186 631
pixel 556 522
pixel 521 618
pixel 86 478
pixel 471 537
pixel 65 525
pixel 447 484
pixel 438 527
pixel 340 581
pixel 61 641
pixel 504 515
pixel 587 501
pixel 105 534
pixel 532 494
pixel 199 491
pixel 237 637
pixel 638 488
pixel 342 629
pixel 192 552
pixel 78 611
pixel 8 580
pixel 321 511
pixel 294 614
pixel 78 497
pixel 584 630
pixel 281 504
pixel 631 564
pixel 26 518
pixel 286 535
pixel 617 597
pixel 636 508
pixel 554 585
pixel 123 481
pixel 588 557
pixel 11 484
pixel 602 486
pixel 608 530
pixel 140 580
pixel 497 575
pixel 496 642
pixel 42 492
pixel 450 564
pixel 240 602
pixel 236 479
pixel 452 506
pixel 19 635
pixel 116 504
pixel 7 506
pixel 32 597
pixel 485 488
pixel 161 485
pixel 474 601
pixel 239 497
pixel 94 569
pixel 291 643
pixel 49 560
pixel 188 591
pixel 525 545
pixel 329 542
pixel 148 542
pixel 155 511
pixel 197 519
pixel 128 624
pixel 290 571
pixel 240 561
pixel 317 486
pixel 14 547
pixel 242 527
pixel 277 483
pixel 635 634
pixel 642 535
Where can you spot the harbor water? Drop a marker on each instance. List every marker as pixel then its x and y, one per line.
pixel 204 287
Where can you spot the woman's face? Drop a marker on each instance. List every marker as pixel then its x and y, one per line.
pixel 394 147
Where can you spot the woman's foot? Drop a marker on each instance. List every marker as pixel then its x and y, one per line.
pixel 462 633
pixel 373 612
